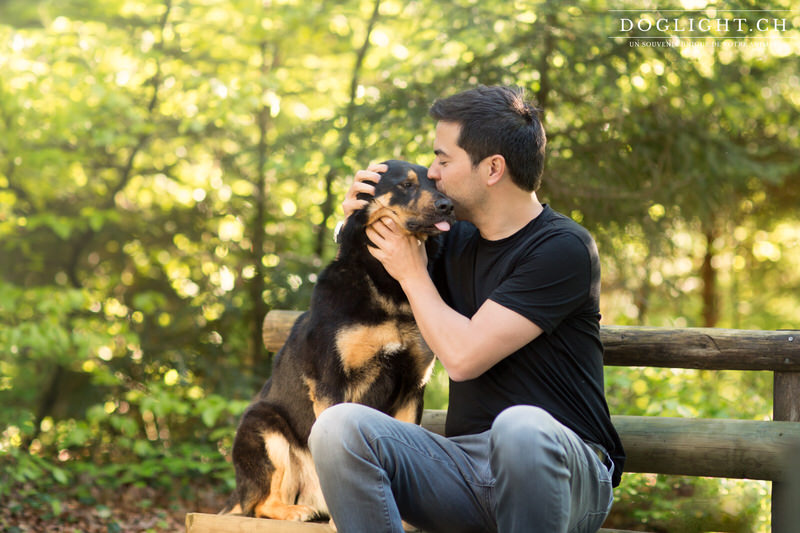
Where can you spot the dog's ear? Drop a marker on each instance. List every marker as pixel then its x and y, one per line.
pixel 434 245
pixel 353 230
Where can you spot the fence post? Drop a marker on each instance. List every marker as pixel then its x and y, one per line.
pixel 786 493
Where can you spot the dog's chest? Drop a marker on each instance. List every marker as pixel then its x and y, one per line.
pixel 363 345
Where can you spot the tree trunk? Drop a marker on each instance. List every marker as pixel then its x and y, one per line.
pixel 543 94
pixel 709 276
pixel 344 137
pixel 256 285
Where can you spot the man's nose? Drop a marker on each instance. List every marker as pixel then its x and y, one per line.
pixel 433 173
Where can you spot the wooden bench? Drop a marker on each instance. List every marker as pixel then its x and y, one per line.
pixel 742 449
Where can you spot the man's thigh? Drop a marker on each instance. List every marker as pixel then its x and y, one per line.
pixel 546 474
pixel 439 484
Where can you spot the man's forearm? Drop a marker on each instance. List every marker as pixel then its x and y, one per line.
pixel 445 330
pixel 467 347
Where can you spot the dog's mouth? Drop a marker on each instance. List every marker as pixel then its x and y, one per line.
pixel 430 226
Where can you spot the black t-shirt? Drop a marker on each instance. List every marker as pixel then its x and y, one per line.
pixel 549 272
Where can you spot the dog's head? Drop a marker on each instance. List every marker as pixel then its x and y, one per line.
pixel 406 195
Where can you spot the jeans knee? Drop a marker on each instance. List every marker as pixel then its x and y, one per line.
pixel 523 430
pixel 337 433
pixel 332 425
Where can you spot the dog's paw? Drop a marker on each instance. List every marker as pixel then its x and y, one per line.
pixel 297 513
pixel 235 510
pixel 302 513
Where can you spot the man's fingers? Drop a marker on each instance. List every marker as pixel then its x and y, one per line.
pixel 376 239
pixel 379 231
pixel 360 186
pixel 350 205
pixel 367 175
pixel 376 229
pixel 378 167
pixel 363 182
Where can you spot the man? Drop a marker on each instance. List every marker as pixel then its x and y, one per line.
pixel 511 309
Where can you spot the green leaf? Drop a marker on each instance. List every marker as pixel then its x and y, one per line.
pixel 55 505
pixel 209 416
pixel 60 476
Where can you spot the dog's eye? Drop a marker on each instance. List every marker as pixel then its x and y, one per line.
pixel 406 184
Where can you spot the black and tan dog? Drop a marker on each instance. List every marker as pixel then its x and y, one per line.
pixel 358 342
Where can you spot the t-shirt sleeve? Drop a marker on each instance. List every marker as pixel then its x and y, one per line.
pixel 549 283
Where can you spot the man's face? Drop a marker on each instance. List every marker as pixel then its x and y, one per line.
pixel 452 170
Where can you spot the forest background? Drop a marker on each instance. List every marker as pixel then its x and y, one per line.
pixel 170 170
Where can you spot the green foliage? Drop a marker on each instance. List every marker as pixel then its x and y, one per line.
pixel 168 171
pixel 691 505
pixel 122 445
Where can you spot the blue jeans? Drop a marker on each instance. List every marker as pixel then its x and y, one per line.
pixel 527 473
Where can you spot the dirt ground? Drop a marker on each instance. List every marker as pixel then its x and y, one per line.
pixel 128 511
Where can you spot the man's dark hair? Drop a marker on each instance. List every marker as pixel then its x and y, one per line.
pixel 498 120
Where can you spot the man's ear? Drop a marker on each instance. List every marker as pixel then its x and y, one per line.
pixel 496 166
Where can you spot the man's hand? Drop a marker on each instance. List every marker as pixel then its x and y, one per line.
pixel 351 203
pixel 403 256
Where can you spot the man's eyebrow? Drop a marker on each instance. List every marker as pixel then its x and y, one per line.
pixel 439 151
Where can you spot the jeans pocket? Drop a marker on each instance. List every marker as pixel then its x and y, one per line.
pixel 594 519
pixel 591 522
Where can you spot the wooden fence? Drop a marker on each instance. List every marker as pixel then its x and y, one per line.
pixel 744 449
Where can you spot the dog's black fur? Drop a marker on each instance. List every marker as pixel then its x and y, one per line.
pixel 358 342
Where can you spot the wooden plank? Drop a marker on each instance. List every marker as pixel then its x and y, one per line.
pixel 786 396
pixel 705 348
pixel 742 449
pixel 786 493
pixel 433 420
pixel 211 523
pixel 276 328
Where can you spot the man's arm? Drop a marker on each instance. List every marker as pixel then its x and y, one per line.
pixel 466 347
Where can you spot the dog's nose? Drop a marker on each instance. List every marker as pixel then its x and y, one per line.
pixel 443 206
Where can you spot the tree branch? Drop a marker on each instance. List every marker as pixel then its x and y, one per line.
pixel 344 136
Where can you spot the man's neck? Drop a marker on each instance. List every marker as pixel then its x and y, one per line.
pixel 507 216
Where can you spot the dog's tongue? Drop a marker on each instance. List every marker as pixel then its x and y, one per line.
pixel 442 226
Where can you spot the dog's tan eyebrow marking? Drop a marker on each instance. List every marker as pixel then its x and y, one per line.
pixel 412 176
